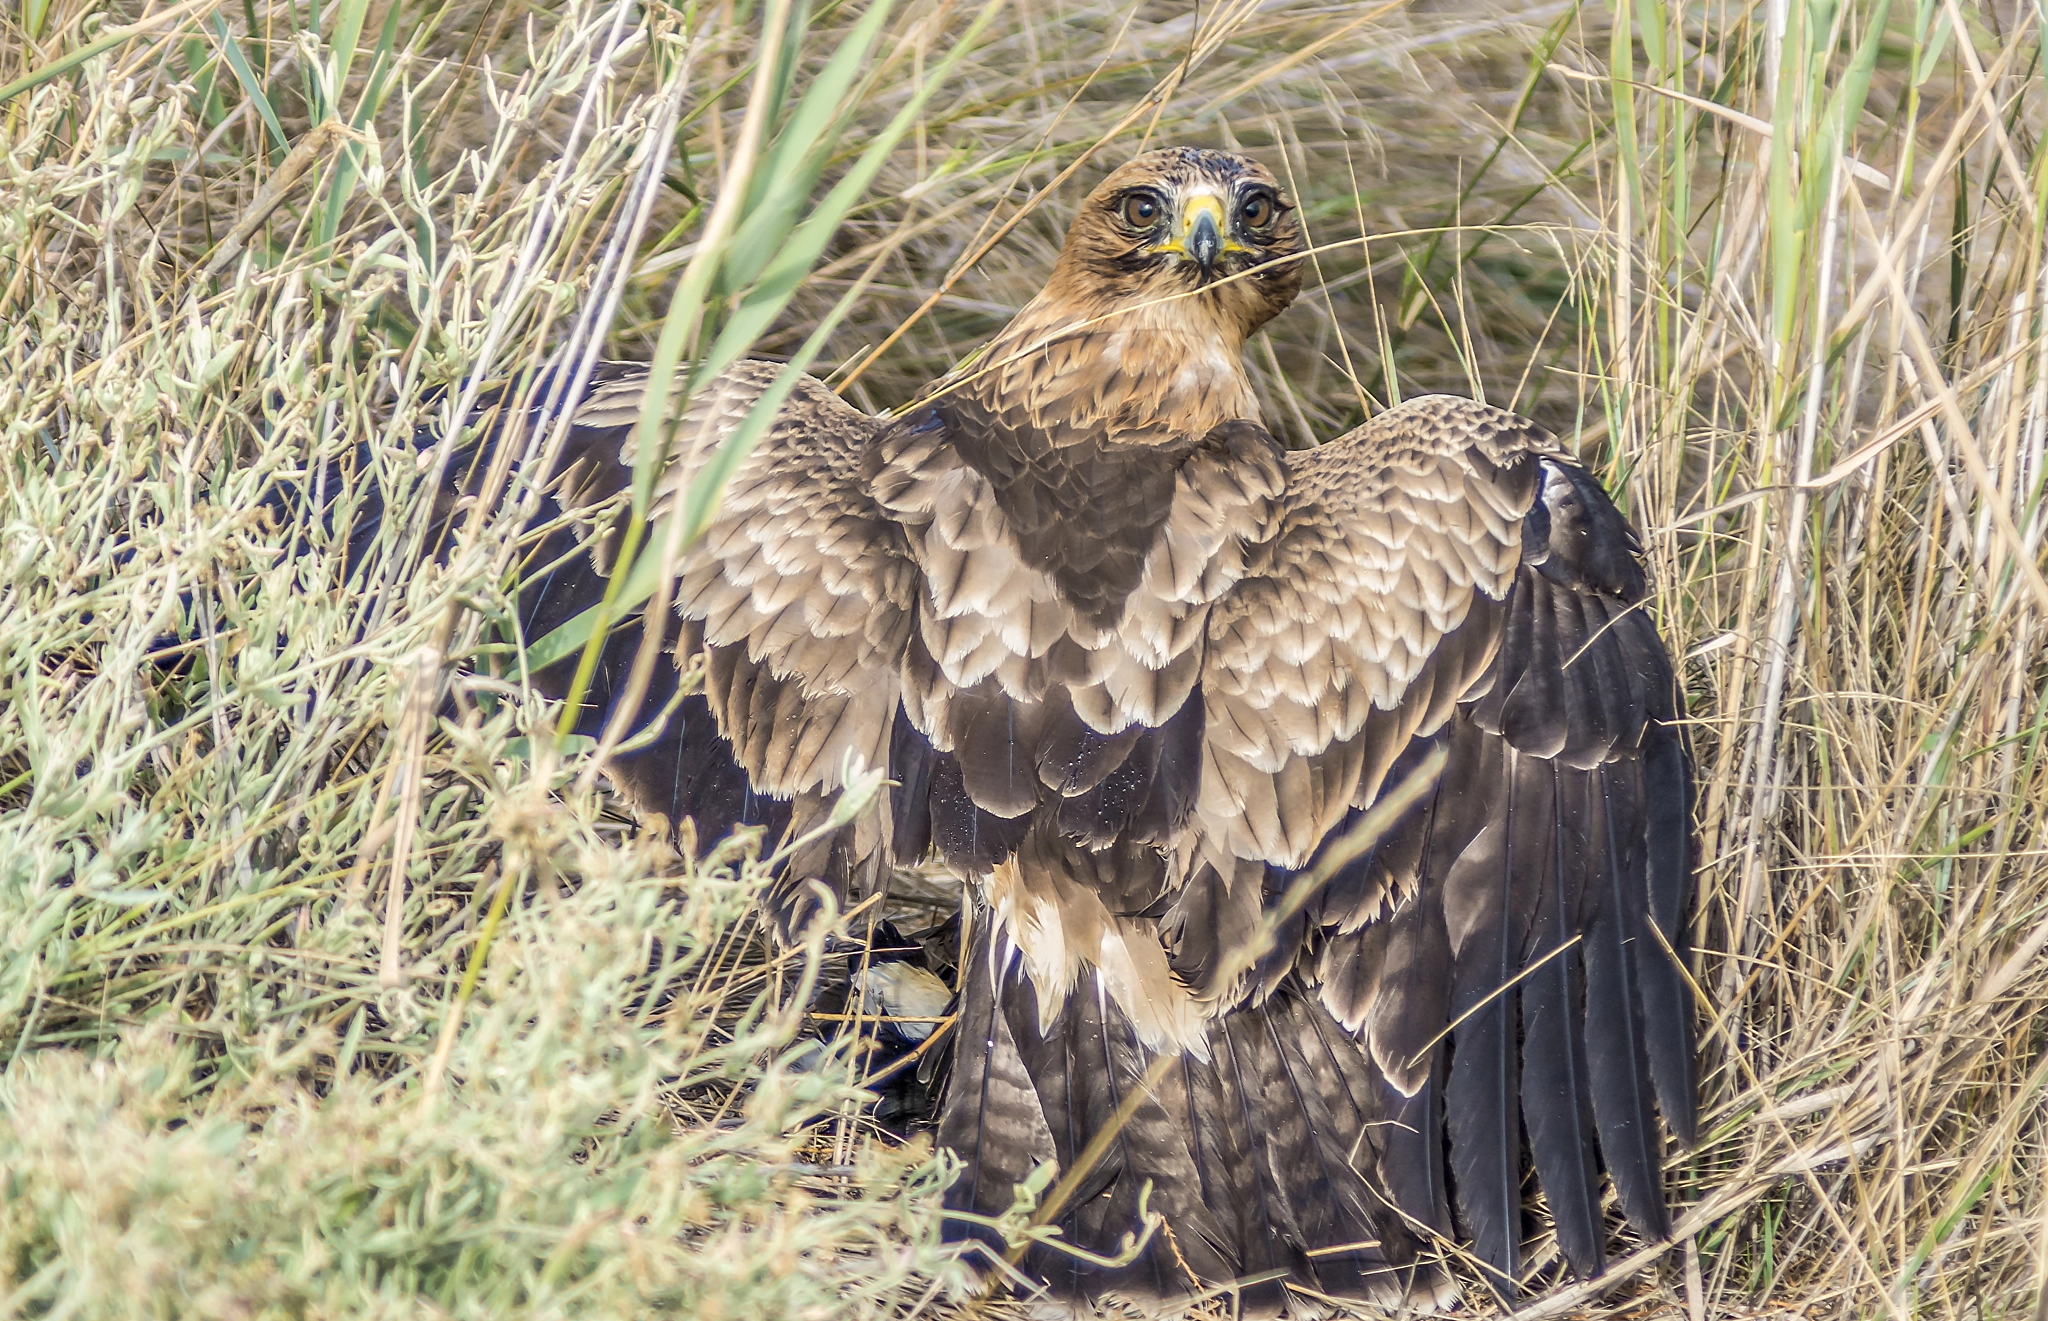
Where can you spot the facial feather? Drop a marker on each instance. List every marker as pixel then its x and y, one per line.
pixel 1134 340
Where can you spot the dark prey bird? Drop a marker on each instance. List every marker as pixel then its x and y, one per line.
pixel 1134 669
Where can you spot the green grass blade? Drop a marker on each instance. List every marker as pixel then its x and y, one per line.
pixel 100 45
pixel 348 31
pixel 252 87
pixel 790 169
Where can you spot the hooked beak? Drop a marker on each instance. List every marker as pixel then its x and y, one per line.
pixel 1200 238
pixel 1202 232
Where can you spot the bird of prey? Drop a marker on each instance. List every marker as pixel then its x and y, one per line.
pixel 1137 672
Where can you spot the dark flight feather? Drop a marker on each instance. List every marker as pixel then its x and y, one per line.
pixel 1556 1100
pixel 1481 903
pixel 1616 1056
pixel 1667 1001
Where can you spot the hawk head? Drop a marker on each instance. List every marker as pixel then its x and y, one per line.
pixel 1189 223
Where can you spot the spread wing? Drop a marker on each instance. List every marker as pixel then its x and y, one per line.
pixel 799 592
pixel 801 589
pixel 1445 576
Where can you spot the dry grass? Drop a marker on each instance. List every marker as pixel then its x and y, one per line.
pixel 1779 270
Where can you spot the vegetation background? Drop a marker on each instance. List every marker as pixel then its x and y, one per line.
pixel 330 985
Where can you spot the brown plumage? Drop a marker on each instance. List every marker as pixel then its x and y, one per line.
pixel 1133 667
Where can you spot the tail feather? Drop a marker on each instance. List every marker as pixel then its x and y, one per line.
pixel 1303 1179
pixel 1208 1106
pixel 1271 1236
pixel 1085 1063
pixel 1356 1238
pixel 1261 1157
pixel 1104 1063
pixel 993 1118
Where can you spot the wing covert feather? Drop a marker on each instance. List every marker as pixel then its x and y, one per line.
pixel 1390 539
pixel 800 576
pixel 799 593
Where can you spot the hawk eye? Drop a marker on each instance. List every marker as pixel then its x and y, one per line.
pixel 1257 210
pixel 1140 210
